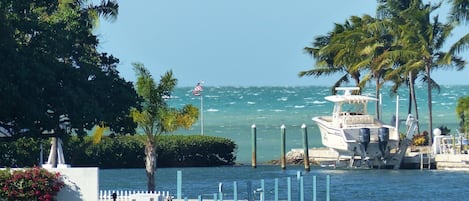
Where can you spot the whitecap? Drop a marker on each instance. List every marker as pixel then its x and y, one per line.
pixel 319 102
pixel 282 99
pixel 212 110
pixel 299 106
pixel 251 103
pixel 278 110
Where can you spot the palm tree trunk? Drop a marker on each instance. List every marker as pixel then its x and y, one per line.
pixel 378 115
pixel 150 164
pixel 409 109
pixel 429 93
pixel 53 159
pixel 414 99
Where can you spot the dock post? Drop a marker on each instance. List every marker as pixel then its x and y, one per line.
pixel 283 160
pixel 289 188
pixel 305 147
pixel 421 161
pixel 302 189
pixel 314 189
pixel 276 189
pixel 254 146
pixel 262 193
pixel 235 191
pixel 249 190
pixel 179 185
pixel 215 197
pixel 298 179
pixel 328 188
pixel 220 190
pixel 200 197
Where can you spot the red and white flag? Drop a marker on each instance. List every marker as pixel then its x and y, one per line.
pixel 197 89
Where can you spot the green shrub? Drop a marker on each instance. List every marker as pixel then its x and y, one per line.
pixel 125 151
pixel 195 150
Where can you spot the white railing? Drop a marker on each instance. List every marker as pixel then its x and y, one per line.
pixel 107 195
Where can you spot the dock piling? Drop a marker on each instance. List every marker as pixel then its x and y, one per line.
pixel 282 147
pixel 179 185
pixel 305 147
pixel 254 146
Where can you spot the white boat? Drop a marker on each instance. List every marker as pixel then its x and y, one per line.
pixel 354 133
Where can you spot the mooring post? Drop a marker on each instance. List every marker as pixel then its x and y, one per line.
pixel 220 190
pixel 298 179
pixel 302 189
pixel 249 190
pixel 179 185
pixel 276 189
pixel 254 146
pixel 328 188
pixel 283 160
pixel 235 191
pixel 314 189
pixel 305 147
pixel 289 188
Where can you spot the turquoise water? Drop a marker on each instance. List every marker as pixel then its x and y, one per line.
pixel 349 184
pixel 230 111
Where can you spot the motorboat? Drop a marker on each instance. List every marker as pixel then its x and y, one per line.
pixel 354 133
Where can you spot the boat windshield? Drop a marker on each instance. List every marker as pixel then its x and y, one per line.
pixel 354 108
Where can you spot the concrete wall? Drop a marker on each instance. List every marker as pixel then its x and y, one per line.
pixel 81 184
pixel 452 161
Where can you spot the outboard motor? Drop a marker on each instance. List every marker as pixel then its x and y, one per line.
pixel 383 137
pixel 364 140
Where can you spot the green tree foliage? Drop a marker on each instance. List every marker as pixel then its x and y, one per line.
pixel 462 110
pixel 155 116
pixel 50 61
pixel 403 43
pixel 195 150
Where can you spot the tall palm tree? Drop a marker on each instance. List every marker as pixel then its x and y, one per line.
pixel 426 36
pixel 155 116
pixel 405 71
pixel 325 50
pixel 459 14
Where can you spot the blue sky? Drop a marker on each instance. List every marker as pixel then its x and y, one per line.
pixel 230 43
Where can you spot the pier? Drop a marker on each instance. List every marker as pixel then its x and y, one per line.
pixel 417 159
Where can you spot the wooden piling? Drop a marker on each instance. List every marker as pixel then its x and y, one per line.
pixel 283 160
pixel 254 146
pixel 305 147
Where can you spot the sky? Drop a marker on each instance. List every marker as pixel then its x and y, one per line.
pixel 230 43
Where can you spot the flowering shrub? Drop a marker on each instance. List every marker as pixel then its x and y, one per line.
pixel 35 184
pixel 420 139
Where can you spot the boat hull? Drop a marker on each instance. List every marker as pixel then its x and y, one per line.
pixel 346 140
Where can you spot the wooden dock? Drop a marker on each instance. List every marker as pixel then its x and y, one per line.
pixel 327 157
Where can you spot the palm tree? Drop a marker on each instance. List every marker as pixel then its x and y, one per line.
pixel 426 37
pixel 325 51
pixel 155 117
pixel 459 14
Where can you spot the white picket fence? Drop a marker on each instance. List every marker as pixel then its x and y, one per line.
pixel 106 195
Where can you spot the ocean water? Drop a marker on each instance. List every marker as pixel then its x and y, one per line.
pixel 345 184
pixel 231 111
